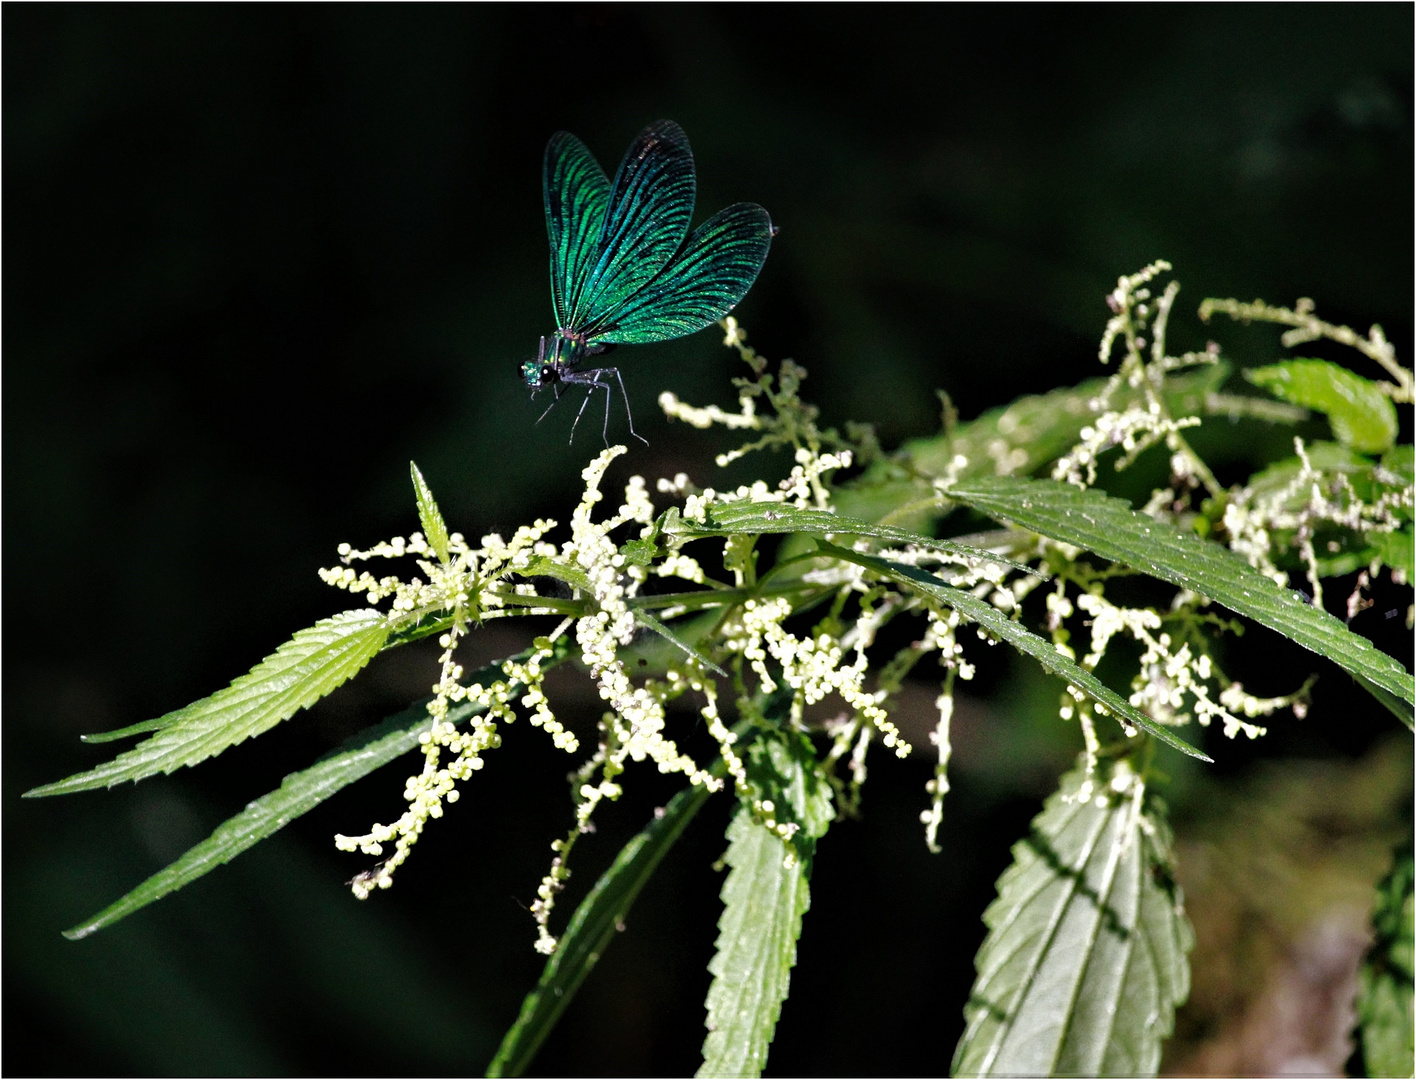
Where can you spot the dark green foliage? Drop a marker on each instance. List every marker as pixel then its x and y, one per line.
pixel 591 930
pixel 1384 1003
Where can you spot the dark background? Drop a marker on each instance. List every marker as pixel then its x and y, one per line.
pixel 257 258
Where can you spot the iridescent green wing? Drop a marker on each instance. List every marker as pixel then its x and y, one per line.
pixel 576 192
pixel 644 226
pixel 716 267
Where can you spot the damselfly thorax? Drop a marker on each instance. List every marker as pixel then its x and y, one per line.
pixel 557 364
pixel 558 356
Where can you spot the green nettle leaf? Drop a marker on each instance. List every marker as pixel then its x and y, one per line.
pixel 572 575
pixel 299 673
pixel 434 528
pixel 298 793
pixel 1092 520
pixel 1384 1000
pixel 1361 416
pixel 1327 457
pixel 1396 549
pixel 639 552
pixel 1020 637
pixel 757 518
pixel 764 898
pixel 592 929
pixel 1085 959
pixel 1402 461
pixel 1028 433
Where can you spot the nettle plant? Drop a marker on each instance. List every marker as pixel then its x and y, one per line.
pixel 1085 961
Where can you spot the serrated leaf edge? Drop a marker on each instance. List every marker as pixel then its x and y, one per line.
pixel 272 691
pixel 434 527
pixel 1011 498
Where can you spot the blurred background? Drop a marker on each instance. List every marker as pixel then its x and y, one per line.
pixel 258 258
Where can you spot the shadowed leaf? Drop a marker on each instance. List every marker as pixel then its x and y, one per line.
pixel 764 898
pixel 1085 959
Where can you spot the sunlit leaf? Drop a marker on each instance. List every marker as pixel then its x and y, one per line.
pixel 572 575
pixel 758 518
pixel 434 528
pixel 295 676
pixel 1361 416
pixel 1401 460
pixel 1109 527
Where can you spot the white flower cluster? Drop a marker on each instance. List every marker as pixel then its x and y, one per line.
pixel 469 586
pixel 706 416
pixel 802 488
pixel 436 784
pixel 1168 674
pixel 1147 422
pixel 636 722
pixel 472 582
pixel 633 727
pixel 1122 783
pixel 1313 497
pixel 941 637
pixel 1134 430
pixel 816 665
pixel 1129 309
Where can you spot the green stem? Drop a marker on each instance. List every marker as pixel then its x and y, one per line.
pixel 706 598
pixel 561 606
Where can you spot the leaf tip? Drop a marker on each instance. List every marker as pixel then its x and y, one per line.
pixel 434 528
